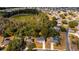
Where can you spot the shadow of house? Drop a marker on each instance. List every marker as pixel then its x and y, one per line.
pixel 54 41
pixel 6 41
pixel 59 41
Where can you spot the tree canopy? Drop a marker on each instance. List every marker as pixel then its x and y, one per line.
pixel 72 24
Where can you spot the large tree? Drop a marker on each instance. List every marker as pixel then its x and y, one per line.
pixel 16 45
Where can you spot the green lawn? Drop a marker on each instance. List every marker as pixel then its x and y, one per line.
pixel 29 16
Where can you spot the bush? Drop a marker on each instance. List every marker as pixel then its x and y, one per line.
pixel 62 16
pixel 72 24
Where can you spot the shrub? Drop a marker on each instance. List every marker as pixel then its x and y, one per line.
pixel 72 24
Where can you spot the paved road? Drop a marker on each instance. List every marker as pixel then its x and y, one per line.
pixel 67 40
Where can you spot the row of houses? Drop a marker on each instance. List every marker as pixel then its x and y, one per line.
pixel 52 43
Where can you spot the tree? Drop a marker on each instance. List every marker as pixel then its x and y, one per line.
pixel 72 24
pixel 52 32
pixel 53 23
pixel 64 22
pixel 28 11
pixel 37 31
pixel 6 34
pixel 16 45
pixel 62 29
pixel 54 18
pixel 72 13
pixel 62 16
pixel 31 46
